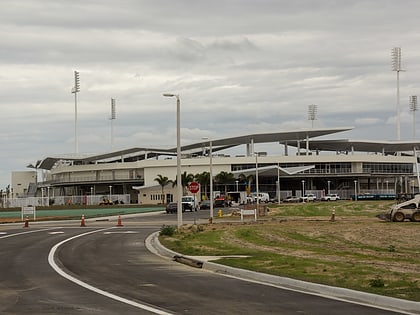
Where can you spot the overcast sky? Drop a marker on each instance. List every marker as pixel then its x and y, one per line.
pixel 239 66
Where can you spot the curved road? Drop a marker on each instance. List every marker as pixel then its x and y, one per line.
pixel 128 279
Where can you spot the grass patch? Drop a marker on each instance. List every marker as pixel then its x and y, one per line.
pixel 357 251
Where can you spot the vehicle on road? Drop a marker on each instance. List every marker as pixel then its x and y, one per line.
pixel 308 198
pixel 189 203
pixel 205 204
pixel 262 197
pixel 331 197
pixel 291 199
pixel 171 207
pixel 409 210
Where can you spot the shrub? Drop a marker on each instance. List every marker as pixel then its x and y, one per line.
pixel 167 230
pixel 377 282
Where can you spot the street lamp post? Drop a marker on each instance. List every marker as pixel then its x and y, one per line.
pixel 256 182
pixel 91 195
pixel 48 196
pixel 387 191
pixel 355 190
pixel 329 182
pixel 110 192
pixel 211 178
pixel 75 90
pixel 303 189
pixel 237 187
pixel 178 157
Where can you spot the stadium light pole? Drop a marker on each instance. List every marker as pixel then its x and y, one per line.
pixel 312 111
pixel 178 157
pixel 75 90
pixel 396 66
pixel 413 108
pixel 211 178
pixel 113 117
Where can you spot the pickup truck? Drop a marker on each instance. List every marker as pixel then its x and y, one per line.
pixel 189 203
pixel 331 197
pixel 308 197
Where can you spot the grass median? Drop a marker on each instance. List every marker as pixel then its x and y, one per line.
pixel 357 250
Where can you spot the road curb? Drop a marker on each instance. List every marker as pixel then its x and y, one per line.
pixel 369 299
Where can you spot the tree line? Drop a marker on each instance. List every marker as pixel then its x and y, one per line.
pixel 223 179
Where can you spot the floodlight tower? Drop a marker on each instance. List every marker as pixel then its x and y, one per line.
pixel 75 90
pixel 113 117
pixel 413 108
pixel 312 111
pixel 396 66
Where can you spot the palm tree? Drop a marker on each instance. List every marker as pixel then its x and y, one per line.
pixel 162 181
pixel 248 180
pixel 185 180
pixel 204 180
pixel 225 178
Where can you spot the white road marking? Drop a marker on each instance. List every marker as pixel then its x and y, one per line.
pixel 27 232
pixel 52 263
pixel 3 233
pixel 58 232
pixel 124 232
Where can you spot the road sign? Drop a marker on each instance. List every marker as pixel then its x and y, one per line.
pixel 194 187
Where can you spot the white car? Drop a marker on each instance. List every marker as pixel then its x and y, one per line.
pixel 308 197
pixel 331 197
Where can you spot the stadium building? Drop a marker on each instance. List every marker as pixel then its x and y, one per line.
pixel 308 164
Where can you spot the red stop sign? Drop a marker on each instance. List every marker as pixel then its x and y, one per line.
pixel 194 187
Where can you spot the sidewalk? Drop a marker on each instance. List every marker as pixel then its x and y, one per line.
pixel 351 296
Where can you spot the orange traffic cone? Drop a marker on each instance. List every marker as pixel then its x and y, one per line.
pixel 82 224
pixel 119 221
pixel 26 223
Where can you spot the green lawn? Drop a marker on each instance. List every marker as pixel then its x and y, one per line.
pixel 357 250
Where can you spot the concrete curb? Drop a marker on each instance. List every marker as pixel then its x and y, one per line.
pixel 352 296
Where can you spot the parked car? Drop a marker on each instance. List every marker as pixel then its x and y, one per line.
pixel 331 197
pixel 171 207
pixel 291 199
pixel 308 197
pixel 205 204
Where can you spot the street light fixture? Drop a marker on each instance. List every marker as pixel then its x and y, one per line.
pixel 178 157
pixel 355 190
pixel 303 189
pixel 75 90
pixel 211 178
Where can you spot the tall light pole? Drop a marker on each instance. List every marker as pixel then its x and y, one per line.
pixel 113 117
pixel 91 195
pixel 413 108
pixel 256 182
pixel 211 178
pixel 355 190
pixel 110 192
pixel 303 189
pixel 75 90
pixel 178 156
pixel 396 66
pixel 312 110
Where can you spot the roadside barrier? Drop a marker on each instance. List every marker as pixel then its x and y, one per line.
pixel 119 223
pixel 26 223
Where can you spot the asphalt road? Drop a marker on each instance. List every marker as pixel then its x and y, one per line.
pixel 116 274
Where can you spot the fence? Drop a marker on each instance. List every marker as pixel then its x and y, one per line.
pixel 64 200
